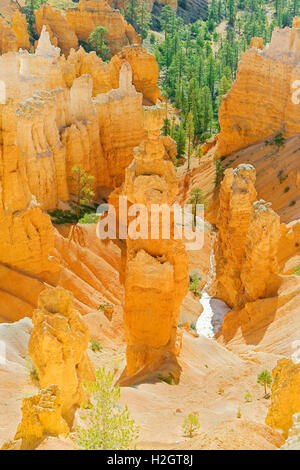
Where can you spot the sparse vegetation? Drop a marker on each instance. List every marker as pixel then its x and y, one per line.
pixel 239 413
pixel 98 42
pixel 105 424
pixel 265 380
pixel 297 271
pixel 195 284
pixel 219 173
pixel 248 397
pixel 191 425
pixel 220 391
pixel 95 345
pixel 278 141
pixel 168 379
pixel 32 369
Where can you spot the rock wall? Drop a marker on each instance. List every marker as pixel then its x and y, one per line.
pixel 60 33
pixel 155 268
pixel 285 398
pixel 260 104
pixel 145 71
pixel 248 239
pixel 57 347
pixel 121 129
pixel 41 417
pixel 91 13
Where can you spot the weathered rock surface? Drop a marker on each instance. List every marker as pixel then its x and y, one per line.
pixel 120 115
pixel 60 33
pixel 145 71
pixel 89 14
pixel 58 346
pixel 155 268
pixel 19 28
pixel 285 398
pixel 41 416
pixel 248 240
pixel 264 98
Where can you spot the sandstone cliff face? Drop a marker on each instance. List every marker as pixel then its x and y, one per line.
pixel 145 71
pixel 260 103
pixel 8 40
pixel 41 416
pixel 285 399
pixel 58 346
pixel 120 115
pixel 60 33
pixel 90 14
pixel 19 28
pixel 248 239
pixel 155 268
pixel 49 123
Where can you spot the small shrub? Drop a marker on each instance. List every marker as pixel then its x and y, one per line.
pixel 95 345
pixel 195 284
pixel 221 391
pixel 286 189
pixel 107 426
pixel 169 379
pixel 265 380
pixel 239 413
pixel 152 38
pixel 191 425
pixel 89 219
pixel 193 326
pixel 297 271
pixel 219 173
pixel 248 397
pixel 292 203
pixel 32 369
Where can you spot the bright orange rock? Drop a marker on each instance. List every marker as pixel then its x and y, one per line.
pixel 61 35
pixel 58 346
pixel 145 71
pixel 285 397
pixel 89 14
pixel 247 245
pixel 19 27
pixel 264 98
pixel 155 268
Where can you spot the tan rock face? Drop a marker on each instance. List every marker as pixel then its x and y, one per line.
pixel 155 269
pixel 120 115
pixel 41 416
pixel 248 240
pixel 19 27
pixel 56 23
pixel 285 399
pixel 8 40
pixel 89 14
pixel 257 42
pixel 264 99
pixel 145 71
pixel 58 346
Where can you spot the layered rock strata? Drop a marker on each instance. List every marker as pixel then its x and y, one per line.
pixel 58 345
pixel 247 243
pixel 285 397
pixel 41 417
pixel 264 99
pixel 155 267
